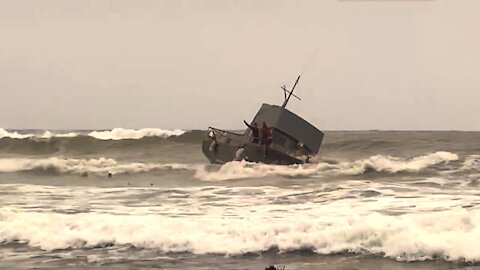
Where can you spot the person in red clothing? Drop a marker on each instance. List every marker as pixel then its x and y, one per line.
pixel 266 137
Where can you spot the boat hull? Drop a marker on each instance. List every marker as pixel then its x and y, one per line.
pixel 221 152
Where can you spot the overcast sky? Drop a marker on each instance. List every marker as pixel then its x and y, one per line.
pixel 193 64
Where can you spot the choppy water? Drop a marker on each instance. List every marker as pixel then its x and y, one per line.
pixel 373 199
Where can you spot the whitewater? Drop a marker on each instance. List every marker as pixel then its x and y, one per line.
pixel 147 198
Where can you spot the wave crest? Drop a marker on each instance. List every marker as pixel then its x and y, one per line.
pixel 121 133
pixel 378 163
pixel 472 163
pixel 83 167
pixel 114 134
pixel 409 237
pixel 231 170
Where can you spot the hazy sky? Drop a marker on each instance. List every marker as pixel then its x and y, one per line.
pixel 193 64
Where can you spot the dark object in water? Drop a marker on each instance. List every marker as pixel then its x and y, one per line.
pixel 294 140
pixel 273 267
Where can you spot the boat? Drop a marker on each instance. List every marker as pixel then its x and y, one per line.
pixel 293 139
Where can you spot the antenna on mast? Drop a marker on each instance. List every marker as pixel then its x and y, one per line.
pixel 290 93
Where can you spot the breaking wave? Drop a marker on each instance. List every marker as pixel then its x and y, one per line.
pixel 121 133
pixel 377 163
pixel 46 134
pixel 83 167
pixel 471 163
pixel 47 143
pixel 411 237
pixel 231 170
pixel 114 134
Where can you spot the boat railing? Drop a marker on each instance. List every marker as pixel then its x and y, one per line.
pixel 225 136
pixel 224 131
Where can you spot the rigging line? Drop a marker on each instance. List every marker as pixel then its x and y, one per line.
pixel 309 61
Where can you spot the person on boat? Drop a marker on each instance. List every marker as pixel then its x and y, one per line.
pixel 255 132
pixel 239 154
pixel 266 137
pixel 213 144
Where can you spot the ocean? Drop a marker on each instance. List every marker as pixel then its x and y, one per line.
pixel 147 198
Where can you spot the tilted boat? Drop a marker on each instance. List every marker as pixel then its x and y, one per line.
pixel 293 140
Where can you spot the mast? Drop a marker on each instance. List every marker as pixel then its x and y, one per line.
pixel 290 93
